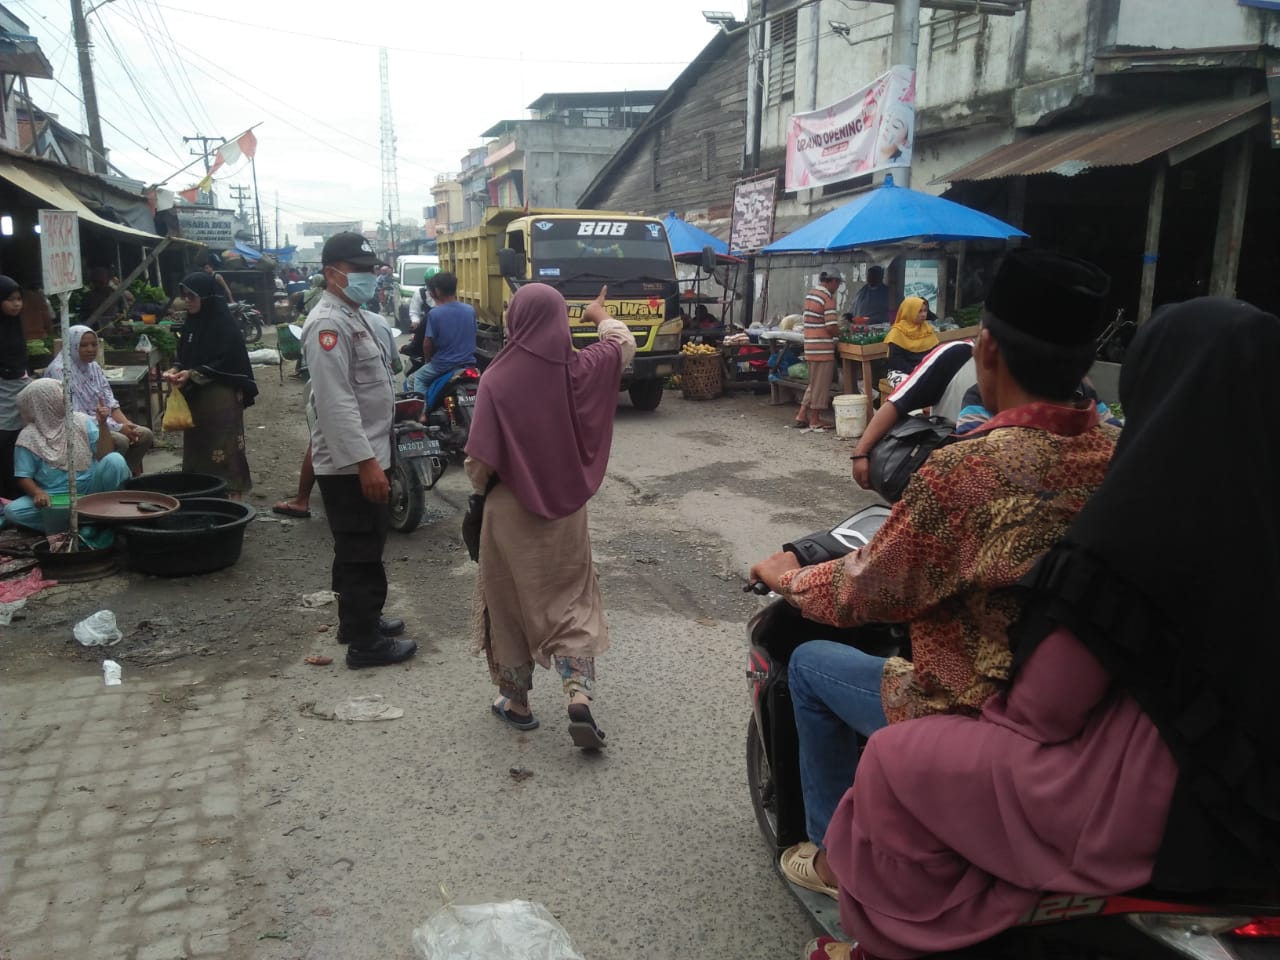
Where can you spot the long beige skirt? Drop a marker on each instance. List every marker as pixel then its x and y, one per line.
pixel 539 596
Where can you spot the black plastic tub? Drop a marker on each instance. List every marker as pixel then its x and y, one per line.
pixel 204 535
pixel 175 483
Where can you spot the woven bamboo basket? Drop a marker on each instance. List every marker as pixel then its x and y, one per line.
pixel 701 378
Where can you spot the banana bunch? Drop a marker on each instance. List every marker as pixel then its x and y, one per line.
pixel 698 350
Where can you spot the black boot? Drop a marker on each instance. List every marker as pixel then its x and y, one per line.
pixel 387 627
pixel 381 654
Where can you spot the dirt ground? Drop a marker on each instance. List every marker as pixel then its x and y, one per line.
pixel 206 807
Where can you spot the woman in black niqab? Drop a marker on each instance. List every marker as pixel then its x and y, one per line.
pixel 1170 576
pixel 215 377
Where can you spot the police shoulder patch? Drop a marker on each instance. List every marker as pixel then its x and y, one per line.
pixel 328 339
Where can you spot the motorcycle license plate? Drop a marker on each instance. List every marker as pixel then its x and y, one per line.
pixel 466 400
pixel 418 448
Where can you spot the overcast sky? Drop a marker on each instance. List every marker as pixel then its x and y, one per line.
pixel 169 68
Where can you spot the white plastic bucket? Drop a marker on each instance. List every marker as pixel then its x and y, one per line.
pixel 851 415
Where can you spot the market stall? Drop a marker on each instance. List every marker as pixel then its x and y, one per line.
pixel 707 301
pixel 888 217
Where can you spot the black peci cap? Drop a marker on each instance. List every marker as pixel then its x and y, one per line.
pixel 349 248
pixel 1050 297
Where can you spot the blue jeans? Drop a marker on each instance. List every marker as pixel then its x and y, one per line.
pixel 835 690
pixel 421 379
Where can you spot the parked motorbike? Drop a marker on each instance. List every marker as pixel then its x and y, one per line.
pixel 249 319
pixel 417 462
pixel 1141 924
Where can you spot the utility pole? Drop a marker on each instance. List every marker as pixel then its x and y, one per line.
pixel 97 160
pixel 906 41
pixel 239 194
pixel 277 224
pixel 203 154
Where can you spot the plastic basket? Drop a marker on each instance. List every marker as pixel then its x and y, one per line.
pixel 701 378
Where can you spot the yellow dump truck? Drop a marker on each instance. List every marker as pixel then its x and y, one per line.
pixel 576 251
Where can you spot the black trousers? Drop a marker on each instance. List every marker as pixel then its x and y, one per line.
pixel 359 533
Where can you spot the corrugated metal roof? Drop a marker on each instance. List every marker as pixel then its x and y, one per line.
pixel 1113 142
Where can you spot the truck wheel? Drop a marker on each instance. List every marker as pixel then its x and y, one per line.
pixel 646 394
pixel 408 498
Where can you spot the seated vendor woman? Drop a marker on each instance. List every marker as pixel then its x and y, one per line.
pixel 909 339
pixel 90 389
pixel 40 460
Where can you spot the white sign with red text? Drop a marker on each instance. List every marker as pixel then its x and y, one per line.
pixel 60 250
pixel 867 131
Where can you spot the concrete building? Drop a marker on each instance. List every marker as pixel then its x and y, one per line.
pixel 447 193
pixel 1135 133
pixel 547 160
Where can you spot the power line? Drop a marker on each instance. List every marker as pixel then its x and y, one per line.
pixel 169 83
pixel 158 18
pixel 145 149
pixel 137 88
pixel 453 54
pixel 225 75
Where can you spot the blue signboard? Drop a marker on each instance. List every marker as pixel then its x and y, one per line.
pixel 1260 4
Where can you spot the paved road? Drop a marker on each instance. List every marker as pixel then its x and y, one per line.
pixel 201 809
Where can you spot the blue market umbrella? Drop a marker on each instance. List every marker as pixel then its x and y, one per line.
pixel 890 214
pixel 687 240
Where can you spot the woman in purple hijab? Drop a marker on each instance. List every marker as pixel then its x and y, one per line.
pixel 539 445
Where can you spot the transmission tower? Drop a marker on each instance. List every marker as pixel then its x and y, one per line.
pixel 390 182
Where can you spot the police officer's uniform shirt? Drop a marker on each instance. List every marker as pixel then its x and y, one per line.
pixel 352 396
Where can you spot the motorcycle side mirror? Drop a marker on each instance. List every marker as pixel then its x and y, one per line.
pixel 511 263
pixel 708 259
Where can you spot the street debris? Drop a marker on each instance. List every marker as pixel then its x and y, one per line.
pixel 7 611
pixel 110 673
pixel 98 630
pixel 318 660
pixel 368 707
pixel 514 930
pixel 520 774
pixel 319 598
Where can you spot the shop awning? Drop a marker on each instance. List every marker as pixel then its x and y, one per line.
pixel 1181 131
pixel 46 186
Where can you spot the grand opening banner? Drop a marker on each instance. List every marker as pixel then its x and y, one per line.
pixel 869 130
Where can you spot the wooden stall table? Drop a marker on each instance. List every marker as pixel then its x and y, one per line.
pixel 865 353
pixel 132 387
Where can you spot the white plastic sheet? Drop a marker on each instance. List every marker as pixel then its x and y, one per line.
pixel 514 930
pixel 98 630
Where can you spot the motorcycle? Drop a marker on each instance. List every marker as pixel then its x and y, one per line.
pixel 417 462
pixel 1144 923
pixel 249 319
pixel 450 404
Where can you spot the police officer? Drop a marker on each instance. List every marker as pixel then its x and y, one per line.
pixel 351 408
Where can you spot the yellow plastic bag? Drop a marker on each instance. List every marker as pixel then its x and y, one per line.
pixel 177 415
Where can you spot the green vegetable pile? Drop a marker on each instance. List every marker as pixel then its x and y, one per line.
pixel 862 339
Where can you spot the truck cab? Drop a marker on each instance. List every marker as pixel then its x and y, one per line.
pixel 577 252
pixel 412 273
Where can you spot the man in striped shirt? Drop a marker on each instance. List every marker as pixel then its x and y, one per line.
pixel 820 333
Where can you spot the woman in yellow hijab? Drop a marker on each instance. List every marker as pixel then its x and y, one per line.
pixel 910 338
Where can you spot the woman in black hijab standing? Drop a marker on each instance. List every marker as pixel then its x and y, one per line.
pixel 13 377
pixel 214 375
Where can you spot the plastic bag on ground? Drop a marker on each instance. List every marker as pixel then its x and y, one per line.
pixel 514 930
pixel 369 707
pixel 266 357
pixel 7 611
pixel 98 630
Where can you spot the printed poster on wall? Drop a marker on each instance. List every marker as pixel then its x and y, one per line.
pixel 920 279
pixel 870 130
pixel 754 201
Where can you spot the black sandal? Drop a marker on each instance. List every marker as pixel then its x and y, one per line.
pixel 582 728
pixel 504 714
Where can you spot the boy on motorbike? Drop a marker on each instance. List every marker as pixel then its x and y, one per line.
pixel 971 523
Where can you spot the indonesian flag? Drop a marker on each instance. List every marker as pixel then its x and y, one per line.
pixel 231 151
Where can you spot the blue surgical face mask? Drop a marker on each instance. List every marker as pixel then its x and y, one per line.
pixel 360 286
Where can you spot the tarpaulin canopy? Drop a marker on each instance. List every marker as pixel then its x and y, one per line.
pixel 892 214
pixel 687 241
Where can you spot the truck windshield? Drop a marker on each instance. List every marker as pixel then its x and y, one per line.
pixel 583 253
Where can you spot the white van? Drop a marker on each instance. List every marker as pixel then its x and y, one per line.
pixel 411 274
